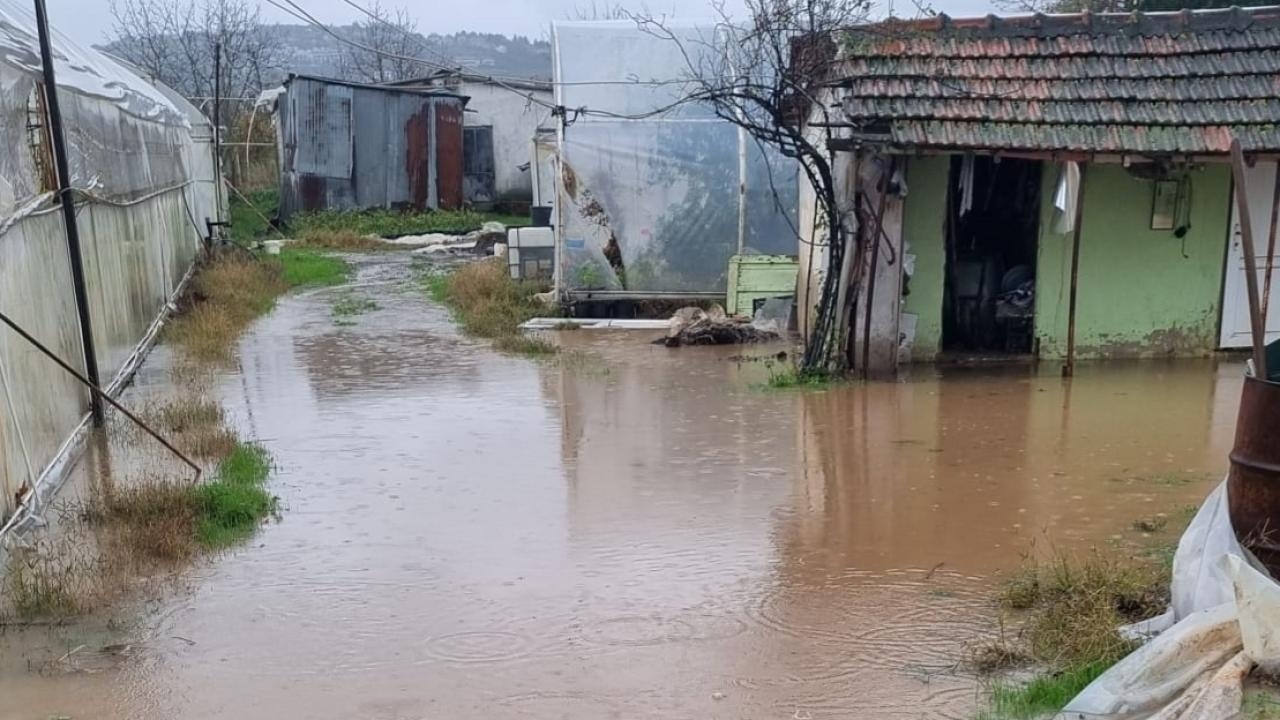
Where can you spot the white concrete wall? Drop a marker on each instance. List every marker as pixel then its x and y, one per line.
pixel 514 120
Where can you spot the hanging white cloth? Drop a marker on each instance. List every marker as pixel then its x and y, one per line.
pixel 1066 197
pixel 966 185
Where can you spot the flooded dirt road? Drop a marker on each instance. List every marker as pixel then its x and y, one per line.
pixel 635 532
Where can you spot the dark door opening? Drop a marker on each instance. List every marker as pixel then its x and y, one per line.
pixel 477 164
pixel 993 218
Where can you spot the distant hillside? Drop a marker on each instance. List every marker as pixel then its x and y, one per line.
pixel 308 50
pixel 312 51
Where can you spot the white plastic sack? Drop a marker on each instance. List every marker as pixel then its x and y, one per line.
pixel 1224 619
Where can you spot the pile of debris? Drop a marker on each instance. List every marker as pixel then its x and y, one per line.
pixel 476 242
pixel 696 326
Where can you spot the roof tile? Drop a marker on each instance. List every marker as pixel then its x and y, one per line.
pixel 1180 82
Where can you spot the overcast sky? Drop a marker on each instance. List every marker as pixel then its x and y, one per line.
pixel 89 21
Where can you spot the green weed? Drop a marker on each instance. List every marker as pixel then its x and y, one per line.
pixel 1042 695
pixel 232 505
pixel 791 378
pixel 349 305
pixel 247 225
pixel 304 268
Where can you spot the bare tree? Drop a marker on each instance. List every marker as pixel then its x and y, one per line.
pixel 174 41
pixel 604 11
pixel 766 75
pixel 393 34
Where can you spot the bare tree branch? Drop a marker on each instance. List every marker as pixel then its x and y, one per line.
pixel 174 41
pixel 394 34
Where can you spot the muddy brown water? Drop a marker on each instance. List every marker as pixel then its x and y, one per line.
pixel 636 532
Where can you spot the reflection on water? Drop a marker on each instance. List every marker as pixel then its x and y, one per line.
pixel 642 533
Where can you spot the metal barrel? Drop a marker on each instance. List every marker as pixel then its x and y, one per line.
pixel 1253 485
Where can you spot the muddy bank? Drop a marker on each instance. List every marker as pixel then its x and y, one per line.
pixel 474 535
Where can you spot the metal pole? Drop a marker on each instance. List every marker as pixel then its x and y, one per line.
pixel 1250 260
pixel 217 129
pixel 1070 368
pixel 67 201
pixel 742 190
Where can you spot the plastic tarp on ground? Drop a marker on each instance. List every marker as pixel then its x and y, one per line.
pixel 1224 620
pixel 665 187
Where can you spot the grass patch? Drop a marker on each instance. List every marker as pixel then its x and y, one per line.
pixel 349 304
pixel 247 225
pixel 1070 610
pixel 1074 606
pixel 392 223
pixel 227 293
pixel 44 581
pixel 233 504
pixel 341 240
pixel 488 303
pixel 310 268
pixel 791 378
pixel 195 424
pixel 1044 695
pixel 168 521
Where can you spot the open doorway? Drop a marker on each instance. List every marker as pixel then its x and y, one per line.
pixel 993 217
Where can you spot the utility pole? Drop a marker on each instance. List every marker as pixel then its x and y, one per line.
pixel 67 201
pixel 217 129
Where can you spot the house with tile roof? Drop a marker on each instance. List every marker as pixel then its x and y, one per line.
pixel 1066 191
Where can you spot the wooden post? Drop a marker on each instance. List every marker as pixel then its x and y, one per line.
pixel 1250 261
pixel 876 224
pixel 1271 249
pixel 1069 368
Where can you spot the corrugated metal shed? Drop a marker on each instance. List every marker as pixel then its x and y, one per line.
pixel 347 146
pixel 1181 82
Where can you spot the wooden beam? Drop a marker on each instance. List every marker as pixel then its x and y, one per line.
pixel 1069 368
pixel 1250 261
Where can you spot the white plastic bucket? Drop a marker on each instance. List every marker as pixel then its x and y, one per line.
pixel 272 246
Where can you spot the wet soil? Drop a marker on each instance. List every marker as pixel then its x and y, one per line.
pixel 634 531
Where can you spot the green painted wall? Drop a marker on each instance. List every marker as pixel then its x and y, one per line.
pixel 1138 296
pixel 759 277
pixel 924 215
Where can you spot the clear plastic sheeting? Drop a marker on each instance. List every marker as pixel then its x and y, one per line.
pixel 655 194
pixel 83 71
pixel 143 171
pixel 1225 619
pixel 125 139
